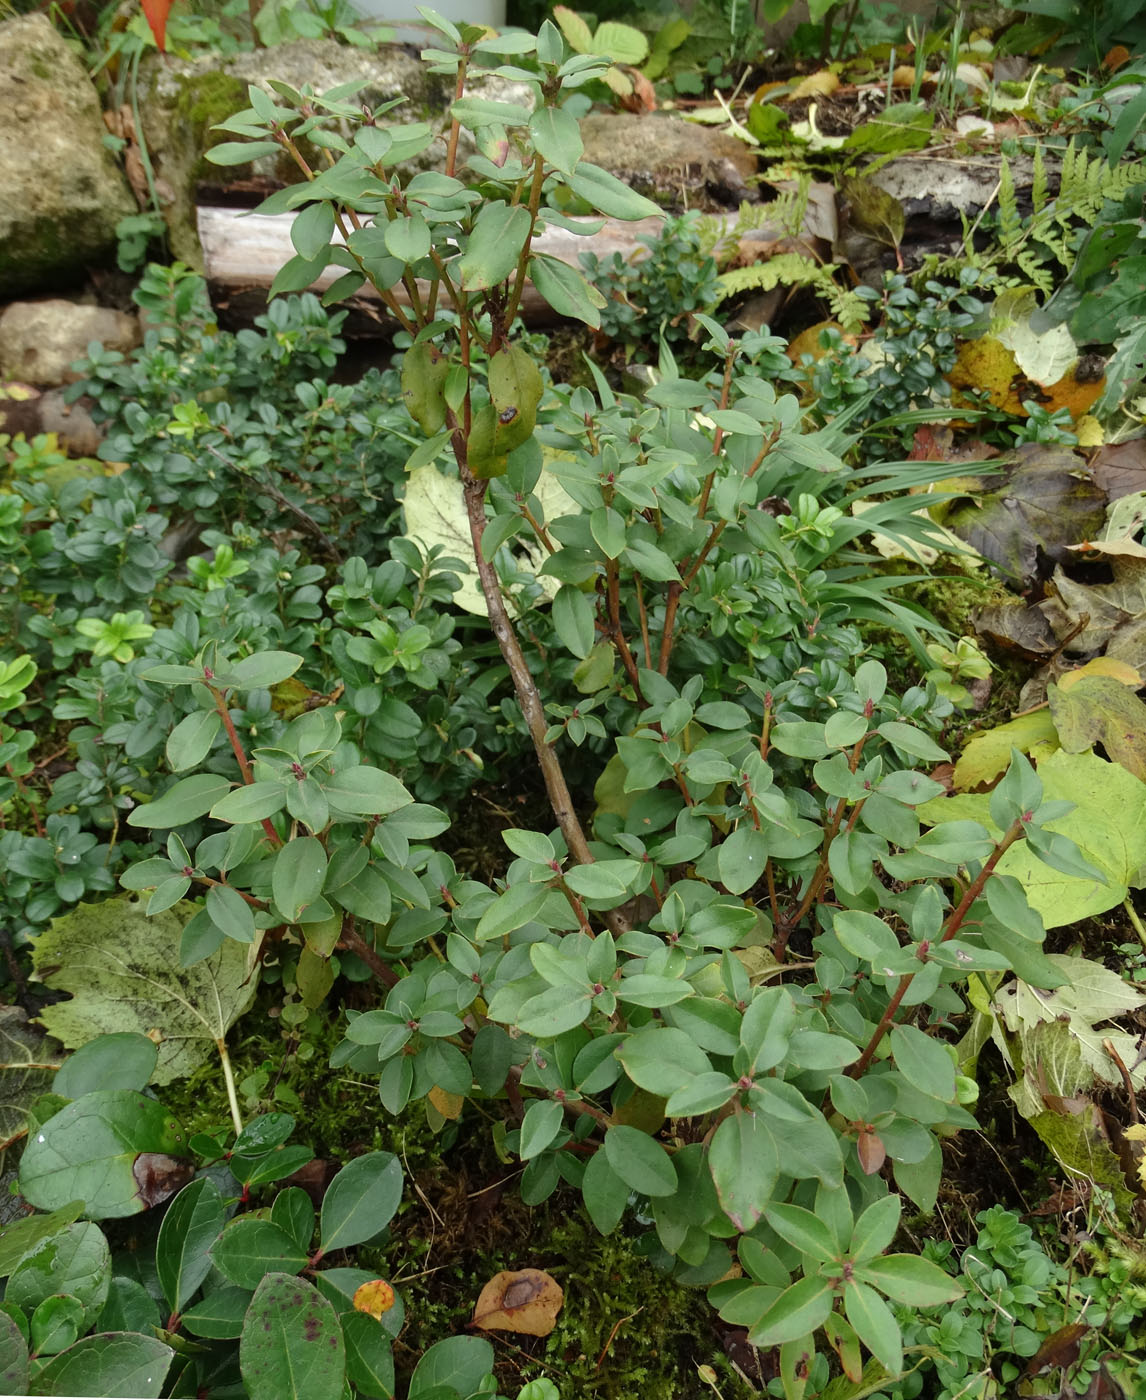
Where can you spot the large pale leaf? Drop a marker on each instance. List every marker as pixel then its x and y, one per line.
pixel 124 974
pixel 436 514
pixel 1108 825
pixel 27 1057
pixel 1101 710
pixel 1052 1091
pixel 1091 997
pixel 1043 357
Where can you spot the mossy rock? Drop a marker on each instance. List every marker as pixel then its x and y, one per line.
pixel 63 192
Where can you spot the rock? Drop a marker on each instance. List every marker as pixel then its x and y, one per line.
pixel 39 340
pixel 185 99
pixel 678 163
pixel 61 191
pixel 76 430
pixel 31 412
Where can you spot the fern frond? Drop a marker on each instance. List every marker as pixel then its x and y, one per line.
pixel 1039 181
pixel 1010 220
pixel 794 222
pixel 717 237
pixel 848 308
pixel 786 269
pixel 1036 270
pixel 794 270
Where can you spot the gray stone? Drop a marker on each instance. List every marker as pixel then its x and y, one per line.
pixel 61 191
pixel 30 411
pixel 680 164
pixel 185 99
pixel 39 340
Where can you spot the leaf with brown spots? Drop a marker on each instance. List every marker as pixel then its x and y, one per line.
pixel 1101 710
pixel 525 1301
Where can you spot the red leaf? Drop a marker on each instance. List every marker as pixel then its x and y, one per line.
pixel 156 12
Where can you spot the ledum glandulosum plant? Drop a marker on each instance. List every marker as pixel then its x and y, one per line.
pixel 727 1000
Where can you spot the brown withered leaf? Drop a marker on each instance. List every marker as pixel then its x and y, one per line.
pixel 872 211
pixel 159 1176
pixel 521 1300
pixel 871 1151
pixel 448 1104
pixel 1120 469
pixel 1102 1386
pixel 1059 1350
pixel 1016 628
pixel 643 97
pixel 1115 612
pixel 1044 502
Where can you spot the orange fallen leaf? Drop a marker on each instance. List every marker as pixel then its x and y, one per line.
pixel 374 1298
pixel 525 1301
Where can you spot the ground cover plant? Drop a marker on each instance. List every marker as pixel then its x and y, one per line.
pixel 749 960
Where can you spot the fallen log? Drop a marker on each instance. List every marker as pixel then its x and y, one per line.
pixel 243 252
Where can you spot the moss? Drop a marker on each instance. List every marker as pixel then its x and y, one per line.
pixel 626 1330
pixel 203 102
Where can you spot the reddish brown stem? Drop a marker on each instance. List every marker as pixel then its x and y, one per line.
pixel 353 942
pixel 240 756
pixel 954 922
pixel 644 622
pixel 527 694
pixel 455 125
pixel 613 603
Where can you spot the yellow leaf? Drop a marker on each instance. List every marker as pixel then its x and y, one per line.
pixel 987 755
pixel 821 84
pixel 1137 1133
pixel 448 1105
pixel 1103 666
pixel 374 1298
pixel 1089 431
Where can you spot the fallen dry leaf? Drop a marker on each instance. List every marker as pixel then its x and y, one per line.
pixel 1044 502
pixel 522 1300
pixel 643 97
pixel 821 84
pixel 1120 469
pixel 1059 1350
pixel 1114 613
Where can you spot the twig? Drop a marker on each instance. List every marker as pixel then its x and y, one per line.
pixel 1128 1083
pixel 620 1322
pixel 310 525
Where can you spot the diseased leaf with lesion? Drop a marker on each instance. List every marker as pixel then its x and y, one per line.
pixel 123 970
